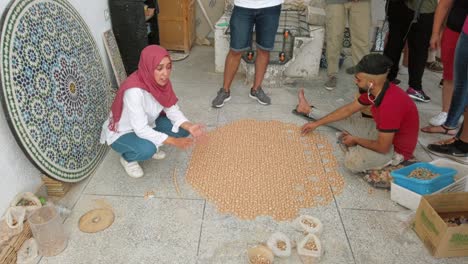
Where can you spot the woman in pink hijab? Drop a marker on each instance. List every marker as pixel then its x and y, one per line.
pixel 137 126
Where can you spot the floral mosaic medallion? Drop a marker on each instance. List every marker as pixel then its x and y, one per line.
pixel 54 89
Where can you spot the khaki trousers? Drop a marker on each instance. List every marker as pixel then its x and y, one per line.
pixel 358 159
pixel 359 17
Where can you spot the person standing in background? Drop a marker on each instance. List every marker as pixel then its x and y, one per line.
pixel 457 149
pixel 453 12
pixel 264 15
pixel 357 14
pixel 151 14
pixel 410 21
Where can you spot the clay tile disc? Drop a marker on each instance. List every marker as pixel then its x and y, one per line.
pixel 96 220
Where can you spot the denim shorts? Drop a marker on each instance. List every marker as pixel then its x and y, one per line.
pixel 242 22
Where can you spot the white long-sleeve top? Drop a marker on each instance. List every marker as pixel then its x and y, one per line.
pixel 140 110
pixel 257 4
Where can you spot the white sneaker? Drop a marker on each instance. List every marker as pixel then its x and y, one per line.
pixel 159 155
pixel 438 119
pixel 403 70
pixel 133 169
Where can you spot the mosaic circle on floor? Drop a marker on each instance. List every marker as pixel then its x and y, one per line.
pixel 251 168
pixel 54 88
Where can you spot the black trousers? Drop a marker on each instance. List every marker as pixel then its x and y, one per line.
pixel 128 24
pixel 153 35
pixel 419 36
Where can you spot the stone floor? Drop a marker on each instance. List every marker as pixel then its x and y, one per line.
pixel 360 226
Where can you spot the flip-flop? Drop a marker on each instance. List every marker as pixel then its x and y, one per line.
pixel 447 131
pixel 303 115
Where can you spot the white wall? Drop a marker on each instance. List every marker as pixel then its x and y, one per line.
pixel 17 173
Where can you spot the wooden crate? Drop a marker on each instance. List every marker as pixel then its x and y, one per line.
pixel 176 21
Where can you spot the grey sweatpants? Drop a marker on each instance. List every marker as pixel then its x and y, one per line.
pixel 357 158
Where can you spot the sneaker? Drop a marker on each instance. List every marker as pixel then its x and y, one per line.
pixel 221 98
pixel 449 151
pixel 396 81
pixel 403 70
pixel 159 155
pixel 351 70
pixel 435 66
pixel 260 96
pixel 331 83
pixel 441 83
pixel 418 95
pixel 438 119
pixel 133 169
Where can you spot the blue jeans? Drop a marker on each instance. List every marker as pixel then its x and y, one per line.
pixel 460 83
pixel 134 148
pixel 266 21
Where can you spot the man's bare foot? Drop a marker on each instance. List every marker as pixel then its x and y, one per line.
pixel 303 106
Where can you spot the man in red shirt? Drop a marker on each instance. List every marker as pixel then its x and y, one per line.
pixel 390 139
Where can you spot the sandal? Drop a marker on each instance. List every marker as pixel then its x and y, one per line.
pixel 445 130
pixel 381 178
pixel 303 115
pixel 379 184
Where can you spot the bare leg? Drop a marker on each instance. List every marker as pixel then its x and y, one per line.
pixel 447 91
pixel 303 105
pixel 261 64
pixel 230 68
pixel 464 135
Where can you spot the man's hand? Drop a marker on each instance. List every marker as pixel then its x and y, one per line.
pixel 309 127
pixel 182 143
pixel 348 139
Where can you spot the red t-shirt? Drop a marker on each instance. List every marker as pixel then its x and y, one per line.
pixel 394 111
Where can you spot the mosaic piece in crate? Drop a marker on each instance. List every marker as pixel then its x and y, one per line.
pixel 54 89
pixel 114 56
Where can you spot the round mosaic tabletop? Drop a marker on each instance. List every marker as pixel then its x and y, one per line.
pixel 54 88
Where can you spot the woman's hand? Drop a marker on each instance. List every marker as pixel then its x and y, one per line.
pixel 198 132
pixel 182 143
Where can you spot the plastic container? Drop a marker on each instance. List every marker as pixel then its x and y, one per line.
pixel 48 230
pixel 308 224
pixel 446 177
pixel 410 199
pixel 280 244
pixel 260 254
pixel 307 254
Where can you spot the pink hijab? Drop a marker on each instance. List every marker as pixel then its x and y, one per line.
pixel 143 78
